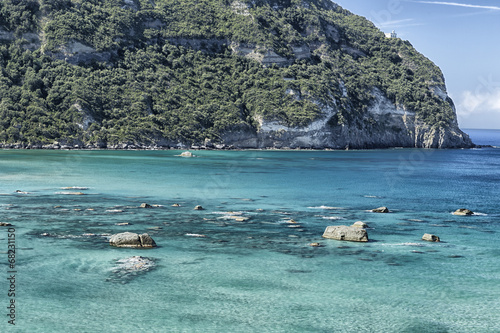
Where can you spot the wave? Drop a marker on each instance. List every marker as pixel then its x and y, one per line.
pixel 475 214
pixel 114 211
pixel 403 244
pixel 480 214
pixel 75 188
pixel 325 207
pixel 228 213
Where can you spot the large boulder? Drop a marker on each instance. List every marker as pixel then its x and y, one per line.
pixel 430 238
pixel 463 212
pixel 345 233
pixel 381 210
pixel 130 239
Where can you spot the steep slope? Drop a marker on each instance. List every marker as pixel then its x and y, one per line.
pixel 275 73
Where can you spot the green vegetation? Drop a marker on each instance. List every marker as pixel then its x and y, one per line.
pixel 154 84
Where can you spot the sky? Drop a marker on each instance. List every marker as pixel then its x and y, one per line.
pixel 461 37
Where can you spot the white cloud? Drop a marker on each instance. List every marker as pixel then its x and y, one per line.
pixel 459 4
pixel 477 102
pixel 399 24
pixel 479 110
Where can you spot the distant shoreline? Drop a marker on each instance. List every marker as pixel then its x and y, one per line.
pixel 227 148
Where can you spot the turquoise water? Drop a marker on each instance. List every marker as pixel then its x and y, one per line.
pixel 257 274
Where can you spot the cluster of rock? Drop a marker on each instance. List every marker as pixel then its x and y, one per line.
pixel 357 232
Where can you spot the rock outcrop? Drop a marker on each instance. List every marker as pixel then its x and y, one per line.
pixel 463 212
pixel 345 233
pixel 431 238
pixel 383 125
pixel 130 239
pixel 360 224
pixel 381 210
pixel 75 52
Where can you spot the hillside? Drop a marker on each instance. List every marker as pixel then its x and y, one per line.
pixel 260 73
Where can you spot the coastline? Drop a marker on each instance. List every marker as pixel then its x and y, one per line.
pixel 222 147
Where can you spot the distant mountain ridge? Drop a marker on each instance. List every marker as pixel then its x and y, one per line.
pixel 248 74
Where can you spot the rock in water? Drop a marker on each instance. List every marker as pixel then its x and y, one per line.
pixel 129 268
pixel 381 210
pixel 345 233
pixel 360 224
pixel 430 238
pixel 147 241
pixel 130 239
pixel 463 212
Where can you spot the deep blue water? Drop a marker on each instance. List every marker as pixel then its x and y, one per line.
pixel 484 136
pixel 253 271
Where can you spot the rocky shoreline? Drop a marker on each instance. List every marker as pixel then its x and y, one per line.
pixel 124 146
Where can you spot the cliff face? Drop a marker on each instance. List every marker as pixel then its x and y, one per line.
pixel 390 126
pixel 247 73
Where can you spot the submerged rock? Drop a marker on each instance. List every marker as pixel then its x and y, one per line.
pixel 463 212
pixel 128 268
pixel 381 210
pixel 430 238
pixel 345 233
pixel 130 239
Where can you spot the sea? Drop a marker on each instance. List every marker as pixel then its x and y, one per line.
pixel 247 262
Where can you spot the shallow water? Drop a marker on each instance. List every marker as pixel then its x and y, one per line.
pixel 253 271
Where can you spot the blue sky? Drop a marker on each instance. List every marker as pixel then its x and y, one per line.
pixel 461 37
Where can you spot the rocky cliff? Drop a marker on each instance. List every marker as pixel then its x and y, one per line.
pixel 249 74
pixel 388 126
